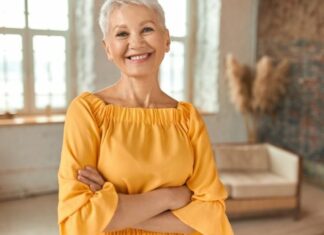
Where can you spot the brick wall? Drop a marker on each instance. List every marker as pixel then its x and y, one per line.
pixel 295 29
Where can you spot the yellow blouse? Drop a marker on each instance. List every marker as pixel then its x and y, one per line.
pixel 137 150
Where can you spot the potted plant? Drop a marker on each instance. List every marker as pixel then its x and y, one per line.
pixel 256 92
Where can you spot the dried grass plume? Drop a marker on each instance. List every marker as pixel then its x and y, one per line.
pixel 269 85
pixel 240 83
pixel 256 93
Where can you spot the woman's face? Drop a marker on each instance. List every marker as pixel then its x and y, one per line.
pixel 136 41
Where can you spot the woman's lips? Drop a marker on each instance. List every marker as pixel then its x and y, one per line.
pixel 139 58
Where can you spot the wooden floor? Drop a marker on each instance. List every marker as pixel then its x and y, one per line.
pixel 37 216
pixel 310 223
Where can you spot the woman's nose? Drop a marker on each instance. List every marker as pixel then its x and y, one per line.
pixel 136 41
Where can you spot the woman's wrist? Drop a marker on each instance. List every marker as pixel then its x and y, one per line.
pixel 177 197
pixel 164 196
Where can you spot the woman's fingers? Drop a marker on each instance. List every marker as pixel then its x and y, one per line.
pixel 92 174
pixel 91 177
pixel 93 186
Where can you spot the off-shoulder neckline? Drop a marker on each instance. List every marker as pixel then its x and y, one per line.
pixel 130 108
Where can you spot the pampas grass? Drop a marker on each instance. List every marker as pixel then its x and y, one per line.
pixel 240 83
pixel 269 86
pixel 258 93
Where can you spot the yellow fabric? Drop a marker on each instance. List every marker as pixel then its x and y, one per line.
pixel 137 150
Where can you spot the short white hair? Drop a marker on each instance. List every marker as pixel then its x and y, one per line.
pixel 110 5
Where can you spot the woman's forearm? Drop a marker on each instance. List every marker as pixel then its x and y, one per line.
pixel 136 208
pixel 165 222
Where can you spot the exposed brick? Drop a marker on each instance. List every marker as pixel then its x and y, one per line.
pixel 294 29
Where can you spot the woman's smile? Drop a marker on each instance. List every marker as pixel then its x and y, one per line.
pixel 139 58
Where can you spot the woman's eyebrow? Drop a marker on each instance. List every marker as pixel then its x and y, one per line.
pixel 147 21
pixel 125 26
pixel 119 26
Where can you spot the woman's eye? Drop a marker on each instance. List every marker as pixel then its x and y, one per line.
pixel 122 34
pixel 147 29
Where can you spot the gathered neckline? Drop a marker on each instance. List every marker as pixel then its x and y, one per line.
pixel 117 113
pixel 131 108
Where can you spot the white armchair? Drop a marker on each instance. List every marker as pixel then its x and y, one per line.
pixel 260 179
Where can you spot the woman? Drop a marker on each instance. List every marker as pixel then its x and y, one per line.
pixel 134 160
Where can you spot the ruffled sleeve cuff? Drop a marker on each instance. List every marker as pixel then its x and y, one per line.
pixel 207 218
pixel 85 213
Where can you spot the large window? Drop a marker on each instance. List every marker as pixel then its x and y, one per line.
pixel 173 70
pixel 34 55
pixel 190 70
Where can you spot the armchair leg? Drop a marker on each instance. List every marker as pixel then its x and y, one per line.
pixel 297 214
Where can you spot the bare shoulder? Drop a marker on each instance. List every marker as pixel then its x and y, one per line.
pixel 167 101
pixel 107 94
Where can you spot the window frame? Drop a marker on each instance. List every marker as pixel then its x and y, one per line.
pixel 188 42
pixel 190 46
pixel 28 77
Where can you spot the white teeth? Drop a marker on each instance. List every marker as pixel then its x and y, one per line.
pixel 139 57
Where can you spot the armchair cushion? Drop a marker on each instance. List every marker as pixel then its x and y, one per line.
pixel 256 184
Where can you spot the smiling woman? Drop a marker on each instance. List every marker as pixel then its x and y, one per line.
pixel 135 160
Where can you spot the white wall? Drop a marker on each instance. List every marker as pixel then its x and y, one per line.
pixel 29 155
pixel 29 158
pixel 237 36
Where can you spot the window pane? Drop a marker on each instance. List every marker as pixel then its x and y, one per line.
pixel 175 15
pixel 172 71
pixel 48 14
pixel 50 101
pixel 12 14
pixel 50 71
pixel 11 75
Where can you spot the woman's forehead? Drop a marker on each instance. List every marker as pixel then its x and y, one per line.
pixel 132 14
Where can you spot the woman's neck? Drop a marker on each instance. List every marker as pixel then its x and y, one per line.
pixel 143 92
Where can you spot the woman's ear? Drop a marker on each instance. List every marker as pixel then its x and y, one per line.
pixel 168 40
pixel 106 47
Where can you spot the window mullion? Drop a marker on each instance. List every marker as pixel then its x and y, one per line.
pixel 11 31
pixel 49 32
pixel 28 65
pixel 190 48
pixel 178 39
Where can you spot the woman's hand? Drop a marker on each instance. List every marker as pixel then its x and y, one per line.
pixel 91 177
pixel 179 197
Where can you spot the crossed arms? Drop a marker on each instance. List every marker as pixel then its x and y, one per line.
pixel 82 212
pixel 148 211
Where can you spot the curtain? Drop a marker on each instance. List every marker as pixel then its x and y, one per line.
pixel 206 61
pixel 84 44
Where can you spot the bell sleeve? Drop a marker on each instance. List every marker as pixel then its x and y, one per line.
pixel 206 211
pixel 80 211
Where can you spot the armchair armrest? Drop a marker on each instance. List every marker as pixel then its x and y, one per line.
pixel 284 163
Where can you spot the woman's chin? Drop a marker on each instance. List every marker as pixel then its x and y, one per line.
pixel 140 73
